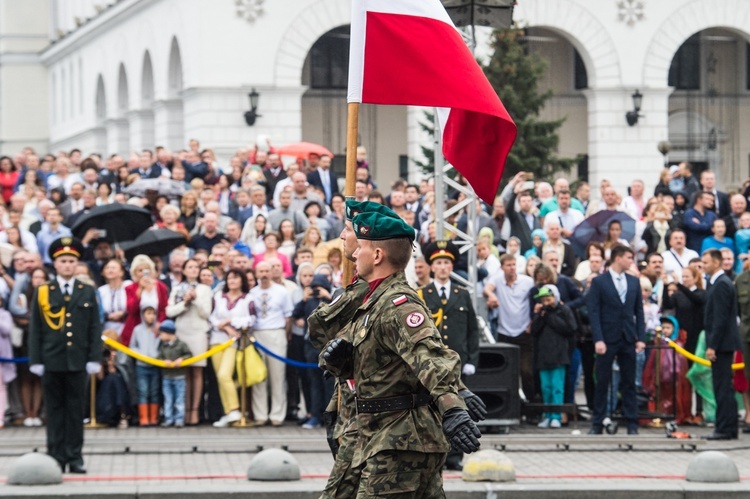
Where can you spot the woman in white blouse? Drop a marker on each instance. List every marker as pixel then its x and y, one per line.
pixel 233 311
pixel 114 301
pixel 190 307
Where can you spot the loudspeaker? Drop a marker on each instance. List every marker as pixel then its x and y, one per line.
pixel 496 383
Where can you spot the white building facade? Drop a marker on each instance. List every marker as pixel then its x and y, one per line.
pixel 132 74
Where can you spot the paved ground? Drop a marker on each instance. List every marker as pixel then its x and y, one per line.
pixel 138 462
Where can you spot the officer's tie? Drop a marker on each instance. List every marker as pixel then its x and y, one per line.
pixel 442 295
pixel 66 291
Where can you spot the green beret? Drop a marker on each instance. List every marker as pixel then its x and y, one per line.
pixel 354 208
pixel 378 227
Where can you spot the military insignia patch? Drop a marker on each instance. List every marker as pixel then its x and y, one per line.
pixel 66 241
pixel 414 319
pixel 364 230
pixel 400 300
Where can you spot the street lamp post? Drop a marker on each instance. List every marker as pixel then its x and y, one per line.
pixel 664 148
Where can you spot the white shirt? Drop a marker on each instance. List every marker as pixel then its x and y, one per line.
pixel 273 306
pixel 113 300
pixel 239 312
pixel 569 220
pixel 447 287
pixel 62 282
pixel 514 304
pixel 674 262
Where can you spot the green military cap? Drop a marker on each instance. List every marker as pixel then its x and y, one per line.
pixel 354 208
pixel 374 226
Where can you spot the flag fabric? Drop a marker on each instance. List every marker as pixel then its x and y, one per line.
pixel 408 52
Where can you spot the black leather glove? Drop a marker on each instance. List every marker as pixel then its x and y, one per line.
pixel 475 405
pixel 338 354
pixel 461 430
pixel 329 420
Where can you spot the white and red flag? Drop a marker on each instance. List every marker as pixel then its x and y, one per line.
pixel 408 52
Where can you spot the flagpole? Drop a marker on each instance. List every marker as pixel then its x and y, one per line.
pixel 352 132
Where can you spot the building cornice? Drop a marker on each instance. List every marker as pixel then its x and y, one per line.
pixel 113 16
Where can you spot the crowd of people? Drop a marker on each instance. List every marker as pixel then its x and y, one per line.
pixel 262 251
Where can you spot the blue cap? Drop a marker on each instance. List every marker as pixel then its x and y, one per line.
pixel 167 326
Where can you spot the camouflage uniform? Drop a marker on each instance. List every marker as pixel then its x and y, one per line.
pixel 324 324
pixel 398 351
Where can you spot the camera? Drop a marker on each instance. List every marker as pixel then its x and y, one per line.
pixel 316 292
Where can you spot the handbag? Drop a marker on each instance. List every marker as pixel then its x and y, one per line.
pixel 254 368
pixel 16 336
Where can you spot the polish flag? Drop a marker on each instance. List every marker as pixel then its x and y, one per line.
pixel 408 52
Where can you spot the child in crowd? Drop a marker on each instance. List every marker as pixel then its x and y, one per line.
pixel 173 351
pixel 652 319
pixel 553 325
pixel 145 341
pixel 487 259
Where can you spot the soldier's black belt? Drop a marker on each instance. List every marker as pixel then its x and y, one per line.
pixel 390 404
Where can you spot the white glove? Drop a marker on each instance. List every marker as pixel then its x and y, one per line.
pixel 37 369
pixel 469 369
pixel 93 367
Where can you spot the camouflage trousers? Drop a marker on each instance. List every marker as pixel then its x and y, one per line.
pixel 406 474
pixel 343 482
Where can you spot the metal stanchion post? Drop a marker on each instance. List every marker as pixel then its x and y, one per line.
pixel 244 341
pixel 92 417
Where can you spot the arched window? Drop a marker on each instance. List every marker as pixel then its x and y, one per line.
pixel 329 59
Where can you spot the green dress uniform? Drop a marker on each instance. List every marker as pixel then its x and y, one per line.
pixel 458 322
pixel 64 334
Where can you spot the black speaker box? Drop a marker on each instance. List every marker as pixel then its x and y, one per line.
pixel 496 383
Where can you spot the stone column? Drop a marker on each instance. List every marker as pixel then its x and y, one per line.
pixel 169 128
pixel 141 129
pixel 118 137
pixel 621 153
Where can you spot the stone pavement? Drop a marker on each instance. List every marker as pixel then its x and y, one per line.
pixel 151 462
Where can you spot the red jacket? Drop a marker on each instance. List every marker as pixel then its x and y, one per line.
pixel 134 309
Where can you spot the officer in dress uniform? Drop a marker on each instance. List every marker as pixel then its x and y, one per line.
pixel 453 313
pixel 406 380
pixel 64 346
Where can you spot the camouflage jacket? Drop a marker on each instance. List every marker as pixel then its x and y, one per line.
pixel 323 325
pixel 398 351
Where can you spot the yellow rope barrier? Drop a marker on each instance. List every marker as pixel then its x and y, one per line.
pixel 160 363
pixel 695 358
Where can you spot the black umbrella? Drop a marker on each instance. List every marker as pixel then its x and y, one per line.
pixel 154 242
pixel 492 13
pixel 123 222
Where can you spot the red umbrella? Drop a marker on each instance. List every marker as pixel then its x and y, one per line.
pixel 303 150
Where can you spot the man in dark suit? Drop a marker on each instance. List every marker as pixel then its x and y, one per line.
pixel 721 199
pixel 615 311
pixel 722 340
pixel 274 174
pixel 146 167
pixel 324 179
pixel 64 346
pixel 523 221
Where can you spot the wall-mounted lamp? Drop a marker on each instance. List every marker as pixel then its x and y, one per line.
pixel 632 116
pixel 252 115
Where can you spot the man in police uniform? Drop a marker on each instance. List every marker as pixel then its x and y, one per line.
pixel 453 314
pixel 405 378
pixel 64 346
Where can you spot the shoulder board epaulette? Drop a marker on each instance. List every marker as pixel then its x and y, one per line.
pixel 400 300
